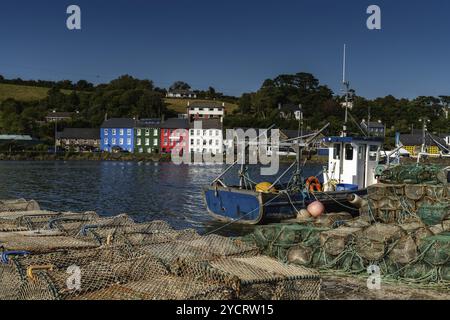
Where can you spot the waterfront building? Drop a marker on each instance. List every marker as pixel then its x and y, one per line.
pixel 206 136
pixel 374 129
pixel 117 134
pixel 290 111
pixel 59 116
pixel 205 110
pixel 79 139
pixel 181 94
pixel 147 136
pixel 174 132
pixel 413 143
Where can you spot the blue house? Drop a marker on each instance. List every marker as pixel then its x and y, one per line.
pixel 117 134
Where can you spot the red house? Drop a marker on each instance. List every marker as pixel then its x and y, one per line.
pixel 174 133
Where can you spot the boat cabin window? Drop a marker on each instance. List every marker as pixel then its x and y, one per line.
pixel 337 152
pixel 348 152
pixel 373 151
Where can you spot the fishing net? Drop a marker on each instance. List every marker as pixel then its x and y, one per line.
pixel 18 205
pixel 276 240
pixel 412 174
pixel 433 214
pixel 257 277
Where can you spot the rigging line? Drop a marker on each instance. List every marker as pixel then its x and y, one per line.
pixel 356 123
pixel 240 218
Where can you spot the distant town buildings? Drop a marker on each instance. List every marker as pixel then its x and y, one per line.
pixel 147 136
pixel 181 94
pixel 200 111
pixel 117 135
pixel 413 143
pixel 59 116
pixel 79 139
pixel 174 132
pixel 206 136
pixel 290 111
pixel 374 129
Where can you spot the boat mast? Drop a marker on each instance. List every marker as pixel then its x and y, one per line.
pixel 346 92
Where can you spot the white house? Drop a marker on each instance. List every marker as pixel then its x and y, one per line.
pixel 181 94
pixel 200 111
pixel 206 136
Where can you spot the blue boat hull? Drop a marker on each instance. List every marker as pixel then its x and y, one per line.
pixel 249 207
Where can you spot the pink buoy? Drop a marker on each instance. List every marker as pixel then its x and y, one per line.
pixel 316 209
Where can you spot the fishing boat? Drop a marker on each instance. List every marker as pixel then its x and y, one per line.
pixel 351 169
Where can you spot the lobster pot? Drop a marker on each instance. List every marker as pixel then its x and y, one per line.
pixel 334 242
pixel 15 285
pixel 161 287
pixel 71 223
pixel 404 252
pixel 276 240
pixel 18 205
pixel 41 241
pixel 222 246
pixel 436 249
pixel 372 243
pixel 257 277
pixel 29 220
pixel 432 214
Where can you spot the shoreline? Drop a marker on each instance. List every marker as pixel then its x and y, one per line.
pixel 72 156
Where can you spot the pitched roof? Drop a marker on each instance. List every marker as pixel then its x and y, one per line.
pixel 207 124
pixel 175 123
pixel 17 137
pixel 148 123
pixel 205 104
pixel 79 133
pixel 119 123
pixel 289 107
pixel 417 140
pixel 373 124
pixel 59 115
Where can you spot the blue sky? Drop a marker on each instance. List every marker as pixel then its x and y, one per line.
pixel 232 45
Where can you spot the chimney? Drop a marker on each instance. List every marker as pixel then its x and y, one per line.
pixel 279 106
pixel 163 118
pixel 223 104
pixel 106 116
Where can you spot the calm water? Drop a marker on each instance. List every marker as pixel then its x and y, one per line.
pixel 144 191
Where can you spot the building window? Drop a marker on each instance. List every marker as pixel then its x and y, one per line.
pixel 129 141
pixel 155 132
pixel 121 141
pixel 138 132
pixel 147 141
pixel 147 132
pixel 113 131
pixel 105 141
pixel 139 142
pixel 105 132
pixel 121 132
pixel 155 142
pixel 129 132
pixel 113 141
pixel 141 150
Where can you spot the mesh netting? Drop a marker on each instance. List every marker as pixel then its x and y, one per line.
pixel 76 256
pixel 18 205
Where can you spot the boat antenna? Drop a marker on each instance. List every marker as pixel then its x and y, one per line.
pixel 346 83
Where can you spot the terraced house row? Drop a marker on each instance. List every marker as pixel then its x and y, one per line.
pixel 200 128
